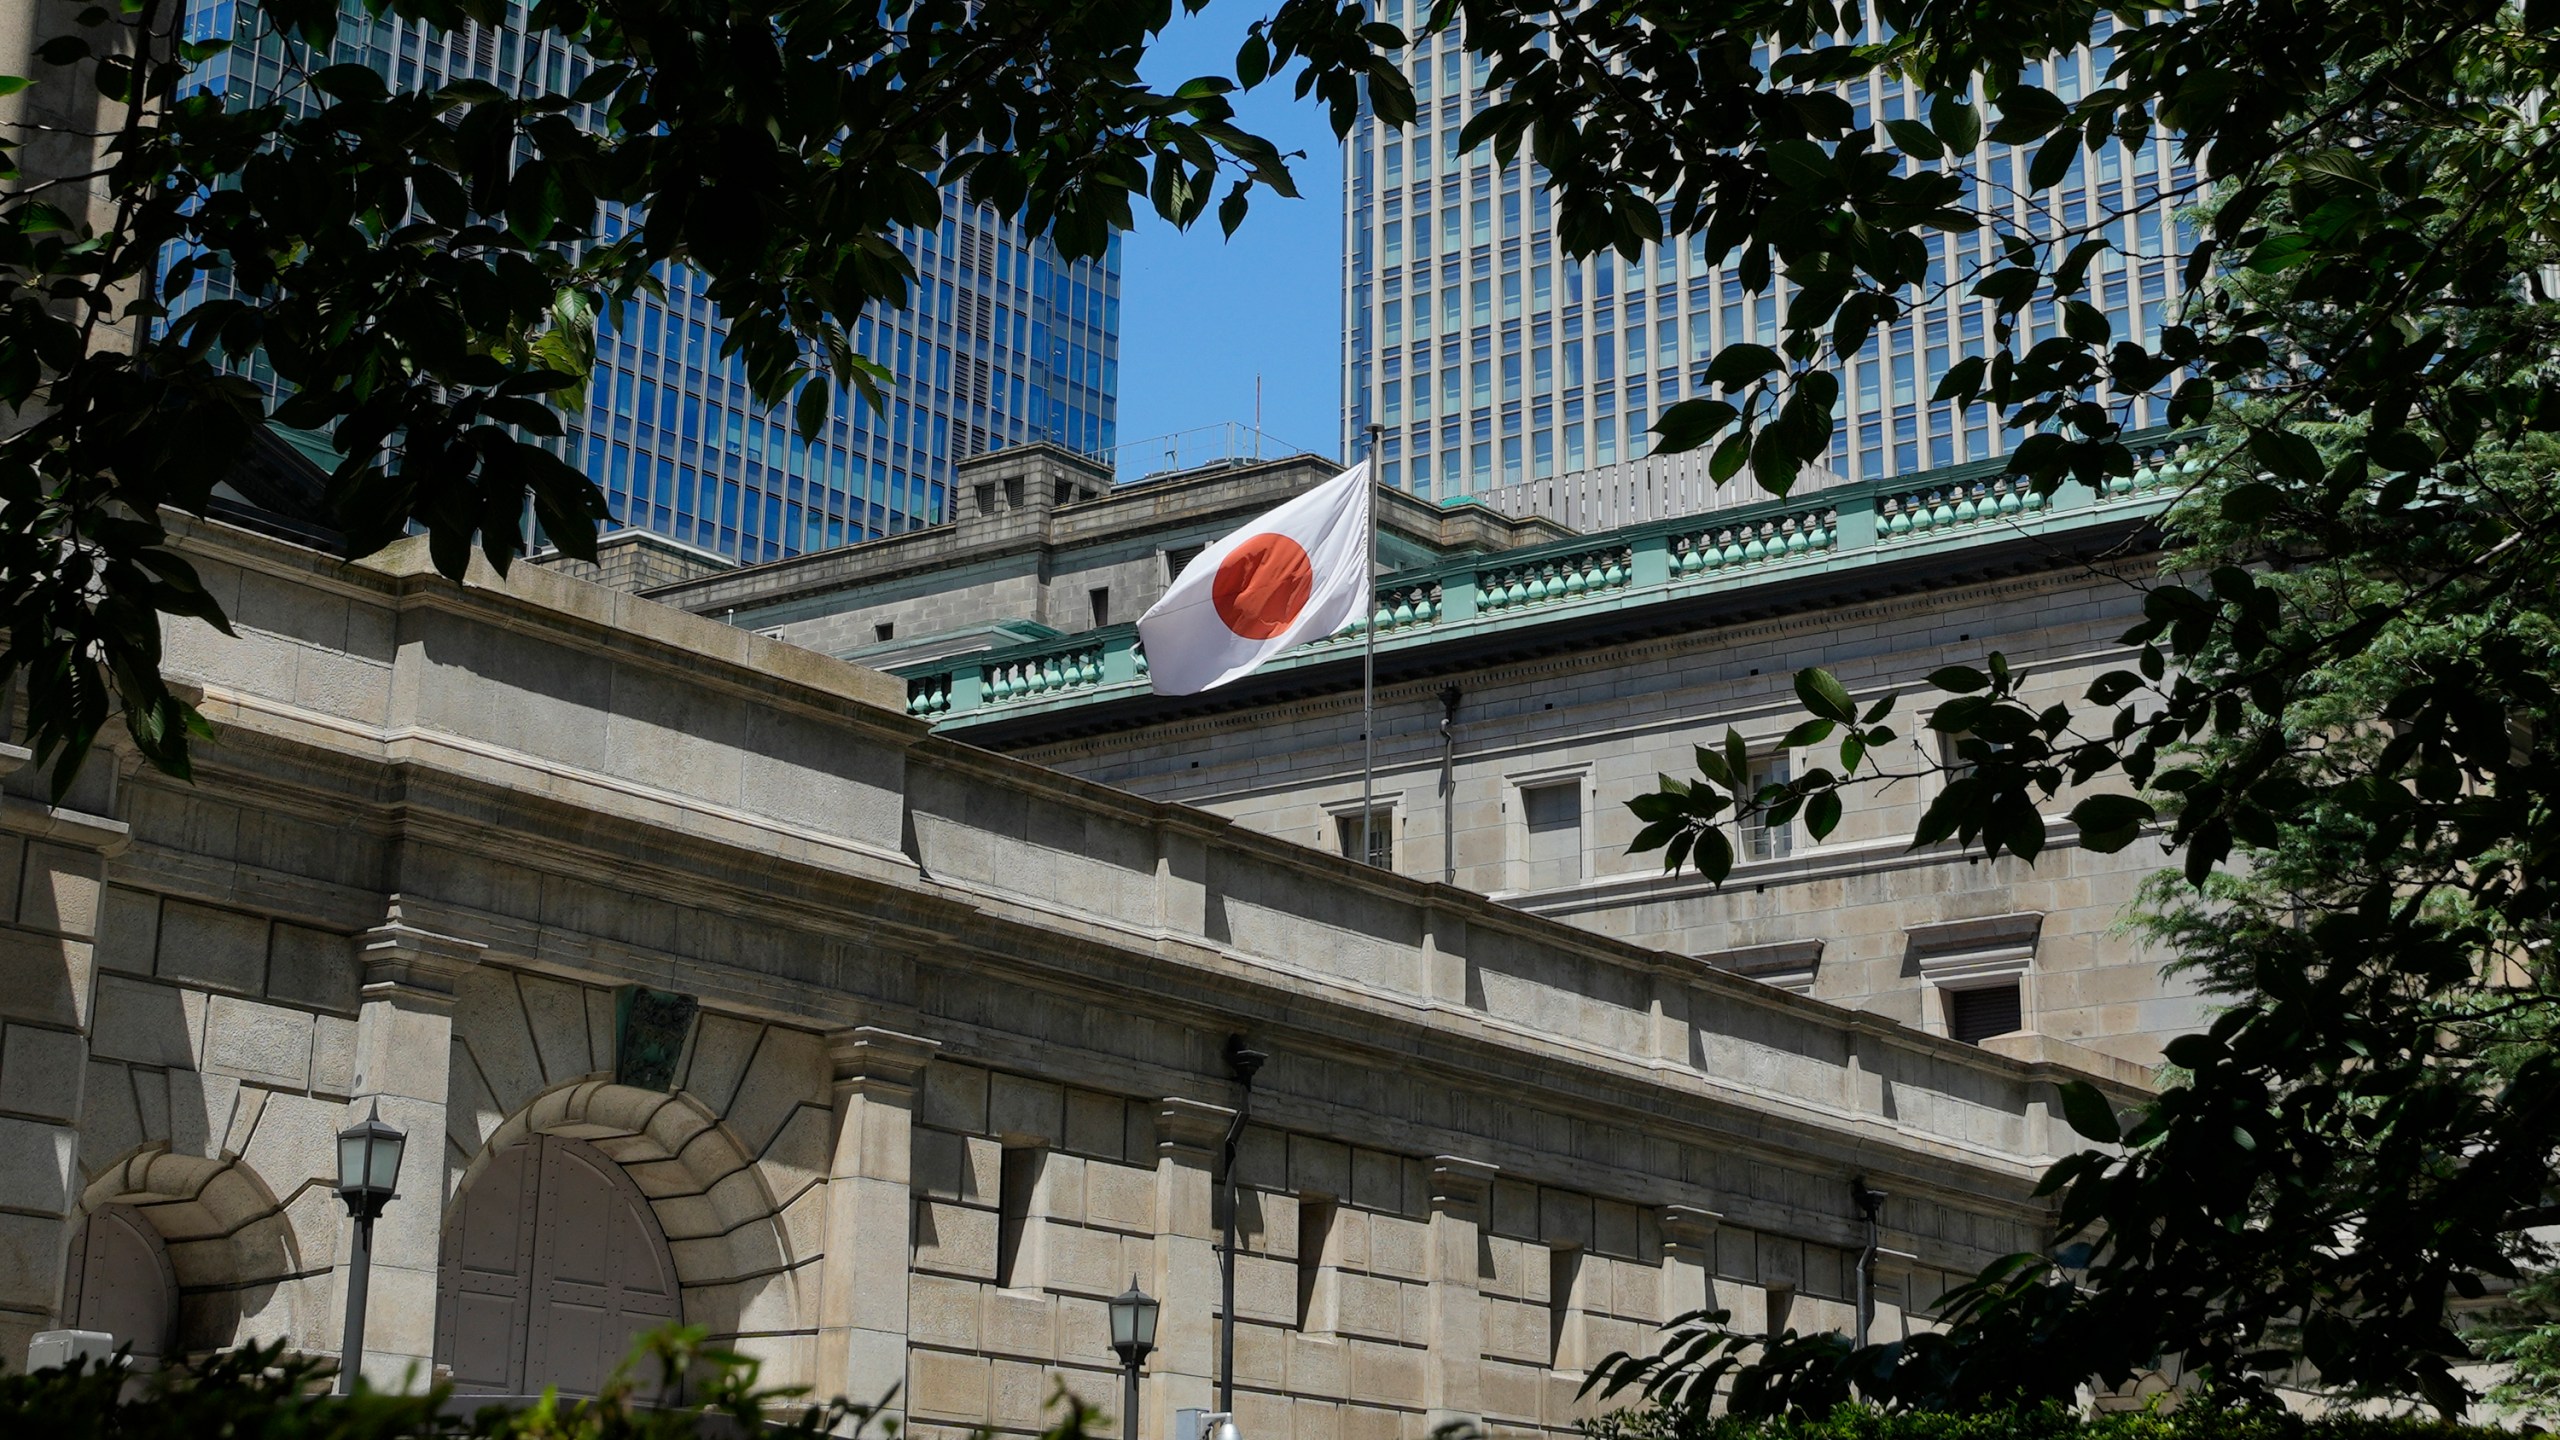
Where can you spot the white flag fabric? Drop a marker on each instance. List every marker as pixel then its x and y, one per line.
pixel 1296 574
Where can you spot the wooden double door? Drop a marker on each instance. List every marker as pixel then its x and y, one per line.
pixel 553 1264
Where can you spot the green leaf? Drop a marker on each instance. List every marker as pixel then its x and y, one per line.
pixel 1738 365
pixel 1915 140
pixel 1825 696
pixel 350 82
pixel 1957 123
pixel 2053 160
pixel 1692 423
pixel 12 84
pixel 2287 454
pixel 2027 113
pixel 1822 814
pixel 2089 1113
pixel 2109 823
pixel 1961 679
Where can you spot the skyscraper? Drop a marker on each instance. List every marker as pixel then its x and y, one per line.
pixel 1491 357
pixel 1004 341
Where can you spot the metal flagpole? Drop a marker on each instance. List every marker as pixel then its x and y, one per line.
pixel 1369 660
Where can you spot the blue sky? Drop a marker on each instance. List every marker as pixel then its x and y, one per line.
pixel 1201 314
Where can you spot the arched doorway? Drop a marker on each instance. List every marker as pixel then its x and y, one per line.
pixel 552 1263
pixel 120 1281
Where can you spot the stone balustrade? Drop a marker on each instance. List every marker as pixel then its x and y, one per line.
pixel 1549 579
pixel 1756 541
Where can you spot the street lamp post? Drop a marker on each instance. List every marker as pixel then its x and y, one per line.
pixel 1243 1063
pixel 1133 1334
pixel 1870 1203
pixel 368 1168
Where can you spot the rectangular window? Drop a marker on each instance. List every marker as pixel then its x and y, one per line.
pixel 1551 815
pixel 1564 1332
pixel 1542 371
pixel 1511 296
pixel 1382 836
pixel 1510 377
pixel 1315 1264
pixel 1018 1180
pixel 1100 595
pixel 1604 442
pixel 1393 244
pixel 1978 1013
pixel 1542 455
pixel 1572 448
pixel 1760 839
pixel 1480 223
pixel 1480 388
pixel 1391 322
pixel 1480 310
pixel 1541 287
pixel 884 632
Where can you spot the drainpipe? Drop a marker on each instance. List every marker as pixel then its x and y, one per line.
pixel 1449 698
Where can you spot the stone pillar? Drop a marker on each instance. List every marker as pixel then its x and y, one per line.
pixel 52 883
pixel 1689 1260
pixel 1452 1387
pixel 404 1063
pixel 1183 1371
pixel 870 1239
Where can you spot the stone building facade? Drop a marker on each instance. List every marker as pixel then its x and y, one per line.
pixel 946 1070
pixel 1531 681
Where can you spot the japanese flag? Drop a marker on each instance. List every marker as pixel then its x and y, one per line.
pixel 1297 574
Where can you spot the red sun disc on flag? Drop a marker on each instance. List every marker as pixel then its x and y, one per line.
pixel 1262 585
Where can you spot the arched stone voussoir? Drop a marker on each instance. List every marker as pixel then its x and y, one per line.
pixel 710 1201
pixel 232 1245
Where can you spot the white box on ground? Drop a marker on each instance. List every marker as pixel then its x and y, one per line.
pixel 1193 1424
pixel 52 1349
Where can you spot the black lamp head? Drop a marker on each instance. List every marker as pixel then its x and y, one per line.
pixel 1242 1062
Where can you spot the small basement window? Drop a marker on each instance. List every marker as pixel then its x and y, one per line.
pixel 885 631
pixel 1382 836
pixel 1977 1013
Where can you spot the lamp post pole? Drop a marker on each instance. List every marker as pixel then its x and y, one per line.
pixel 1870 1204
pixel 359 1284
pixel 368 1169
pixel 1242 1063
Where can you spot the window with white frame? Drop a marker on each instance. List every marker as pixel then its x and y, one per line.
pixel 1381 837
pixel 1759 839
pixel 1979 974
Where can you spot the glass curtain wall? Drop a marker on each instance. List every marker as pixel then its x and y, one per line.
pixel 1491 357
pixel 1004 342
